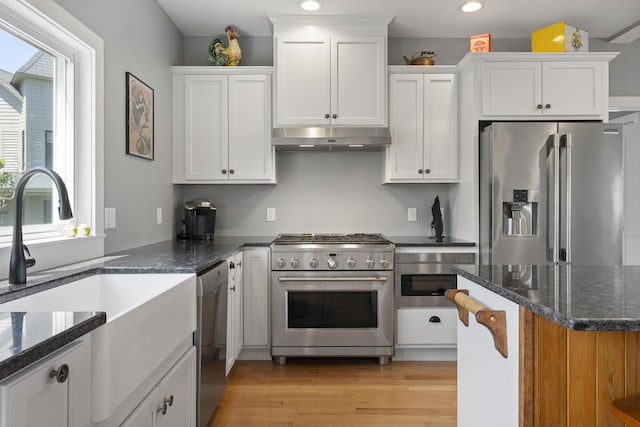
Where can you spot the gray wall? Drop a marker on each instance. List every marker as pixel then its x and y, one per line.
pixel 330 192
pixel 139 38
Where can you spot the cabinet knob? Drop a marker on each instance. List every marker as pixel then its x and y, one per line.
pixel 231 265
pixel 434 319
pixel 335 116
pixel 539 106
pixel 230 170
pixel 224 171
pixel 162 409
pixel 420 171
pixel 169 400
pixel 61 374
pixel 233 288
pixel 547 106
pixel 326 116
pixel 427 171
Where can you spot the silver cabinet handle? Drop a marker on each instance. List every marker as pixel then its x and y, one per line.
pixel 333 279
pixel 61 374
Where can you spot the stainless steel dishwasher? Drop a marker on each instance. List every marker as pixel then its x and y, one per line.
pixel 210 339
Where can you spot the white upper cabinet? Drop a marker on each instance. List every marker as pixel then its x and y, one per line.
pixel 542 85
pixel 330 72
pixel 222 125
pixel 423 125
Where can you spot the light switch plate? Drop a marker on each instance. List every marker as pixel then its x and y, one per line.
pixel 412 214
pixel 109 218
pixel 159 215
pixel 271 214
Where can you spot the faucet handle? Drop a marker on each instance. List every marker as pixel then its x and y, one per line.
pixel 30 261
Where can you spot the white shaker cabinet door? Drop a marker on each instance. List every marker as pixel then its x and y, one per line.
pixel 488 387
pixel 303 87
pixel 440 127
pixel 256 297
pixel 572 88
pixel 511 89
pixel 37 397
pixel 250 150
pixel 406 117
pixel 358 81
pixel 206 127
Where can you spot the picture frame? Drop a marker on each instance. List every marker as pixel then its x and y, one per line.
pixel 140 118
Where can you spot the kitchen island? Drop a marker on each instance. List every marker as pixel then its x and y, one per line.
pixel 572 345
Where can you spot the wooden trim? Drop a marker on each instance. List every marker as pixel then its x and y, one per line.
pixel 527 368
pixel 551 352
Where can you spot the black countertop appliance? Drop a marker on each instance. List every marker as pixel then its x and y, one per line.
pixel 199 220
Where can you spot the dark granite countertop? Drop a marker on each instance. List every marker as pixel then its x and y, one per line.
pixel 27 337
pixel 577 297
pixel 426 241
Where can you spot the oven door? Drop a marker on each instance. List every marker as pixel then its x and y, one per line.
pixel 332 313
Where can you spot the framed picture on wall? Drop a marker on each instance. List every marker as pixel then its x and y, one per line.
pixel 139 118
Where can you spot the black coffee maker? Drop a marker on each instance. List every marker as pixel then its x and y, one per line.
pixel 199 220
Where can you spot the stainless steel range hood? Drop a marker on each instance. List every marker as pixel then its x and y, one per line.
pixel 330 139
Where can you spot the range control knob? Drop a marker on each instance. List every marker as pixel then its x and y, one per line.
pixel 280 262
pixel 351 263
pixel 371 263
pixel 332 263
pixel 313 263
pixel 295 263
pixel 384 263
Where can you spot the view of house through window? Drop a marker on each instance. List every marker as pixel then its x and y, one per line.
pixel 27 134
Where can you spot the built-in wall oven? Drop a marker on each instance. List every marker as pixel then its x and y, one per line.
pixel 422 278
pixel 332 295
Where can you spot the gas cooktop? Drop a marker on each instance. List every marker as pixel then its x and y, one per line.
pixel 330 238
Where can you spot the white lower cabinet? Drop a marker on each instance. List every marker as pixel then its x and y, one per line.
pixel 173 401
pixel 256 298
pixel 488 383
pixel 426 327
pixel 53 392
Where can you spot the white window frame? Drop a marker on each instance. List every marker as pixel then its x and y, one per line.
pixel 45 23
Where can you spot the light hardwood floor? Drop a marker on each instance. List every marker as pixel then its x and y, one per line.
pixel 338 392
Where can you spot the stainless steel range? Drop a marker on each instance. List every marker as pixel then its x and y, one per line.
pixel 332 295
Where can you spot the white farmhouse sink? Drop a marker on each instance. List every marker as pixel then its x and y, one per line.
pixel 148 317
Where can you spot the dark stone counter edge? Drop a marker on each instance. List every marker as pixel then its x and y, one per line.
pixel 35 353
pixel 576 324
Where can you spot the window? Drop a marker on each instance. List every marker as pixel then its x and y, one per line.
pixel 56 92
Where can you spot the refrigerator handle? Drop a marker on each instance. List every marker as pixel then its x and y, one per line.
pixel 565 252
pixel 553 199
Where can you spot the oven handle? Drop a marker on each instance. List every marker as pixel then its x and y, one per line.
pixel 333 279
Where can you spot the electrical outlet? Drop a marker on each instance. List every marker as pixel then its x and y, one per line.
pixel 271 214
pixel 159 215
pixel 109 218
pixel 412 214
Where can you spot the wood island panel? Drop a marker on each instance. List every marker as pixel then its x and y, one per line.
pixel 569 378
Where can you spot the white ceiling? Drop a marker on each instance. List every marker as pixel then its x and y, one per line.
pixel 413 18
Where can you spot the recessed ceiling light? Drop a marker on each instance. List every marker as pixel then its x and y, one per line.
pixel 471 6
pixel 310 5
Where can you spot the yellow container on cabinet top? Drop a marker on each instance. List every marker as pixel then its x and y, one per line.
pixel 560 37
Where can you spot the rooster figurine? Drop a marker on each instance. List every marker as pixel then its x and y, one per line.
pixel 231 55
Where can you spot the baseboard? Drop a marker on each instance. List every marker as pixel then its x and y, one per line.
pixel 255 354
pixel 426 354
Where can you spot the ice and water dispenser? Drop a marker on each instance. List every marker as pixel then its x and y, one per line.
pixel 520 212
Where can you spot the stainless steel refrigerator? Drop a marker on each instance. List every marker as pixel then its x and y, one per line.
pixel 551 192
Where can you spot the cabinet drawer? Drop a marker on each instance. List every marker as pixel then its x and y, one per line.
pixel 418 326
